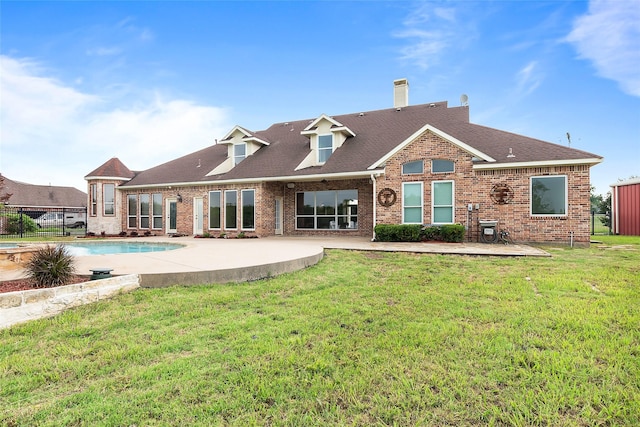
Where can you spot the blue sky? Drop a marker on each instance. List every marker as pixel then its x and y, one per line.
pixel 81 82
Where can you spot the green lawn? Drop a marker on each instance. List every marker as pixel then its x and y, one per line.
pixel 360 339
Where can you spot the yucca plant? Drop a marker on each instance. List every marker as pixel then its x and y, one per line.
pixel 51 266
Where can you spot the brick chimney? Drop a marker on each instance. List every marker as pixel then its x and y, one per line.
pixel 400 93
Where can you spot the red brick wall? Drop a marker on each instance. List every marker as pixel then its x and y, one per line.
pixel 475 186
pixel 471 186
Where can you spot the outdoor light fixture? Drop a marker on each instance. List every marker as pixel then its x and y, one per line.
pixel 179 197
pixel 291 185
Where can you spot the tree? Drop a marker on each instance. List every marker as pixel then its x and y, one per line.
pixel 604 207
pixel 4 197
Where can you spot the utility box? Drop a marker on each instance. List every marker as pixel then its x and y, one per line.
pixel 488 233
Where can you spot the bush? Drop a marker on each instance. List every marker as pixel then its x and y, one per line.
pixel 431 233
pixel 451 233
pixel 51 266
pixel 13 223
pixel 398 232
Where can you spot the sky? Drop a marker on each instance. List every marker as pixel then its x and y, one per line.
pixel 149 81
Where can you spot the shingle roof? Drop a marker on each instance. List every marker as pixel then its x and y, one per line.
pixel 376 134
pixel 112 168
pixel 29 195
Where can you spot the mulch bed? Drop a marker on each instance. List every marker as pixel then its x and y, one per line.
pixel 27 284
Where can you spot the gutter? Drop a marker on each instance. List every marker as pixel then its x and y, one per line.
pixel 296 178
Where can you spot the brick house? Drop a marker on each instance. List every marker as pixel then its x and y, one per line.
pixel 34 200
pixel 341 175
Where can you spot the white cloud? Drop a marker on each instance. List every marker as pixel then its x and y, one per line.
pixel 609 36
pixel 528 78
pixel 52 133
pixel 430 31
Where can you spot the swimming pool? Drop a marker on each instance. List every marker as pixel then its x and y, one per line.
pixel 108 248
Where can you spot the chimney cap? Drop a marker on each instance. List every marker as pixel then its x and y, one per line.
pixel 400 93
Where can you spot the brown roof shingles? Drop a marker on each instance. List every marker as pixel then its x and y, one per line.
pixel 112 168
pixel 377 133
pixel 29 195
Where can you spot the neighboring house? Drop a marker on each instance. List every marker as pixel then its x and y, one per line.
pixel 625 207
pixel 36 199
pixel 341 175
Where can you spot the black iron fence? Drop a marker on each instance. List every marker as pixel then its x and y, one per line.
pixel 18 223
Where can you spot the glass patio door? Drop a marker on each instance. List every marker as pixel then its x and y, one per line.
pixel 172 216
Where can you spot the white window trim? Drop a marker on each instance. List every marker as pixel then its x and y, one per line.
pixel 566 196
pixel 104 199
pixel 155 214
pixel 236 157
pixel 421 201
pixel 140 215
pixel 129 215
pixel 315 215
pixel 221 211
pixel 94 199
pixel 318 149
pixel 412 173
pixel 224 203
pixel 453 201
pixel 242 208
pixel 446 160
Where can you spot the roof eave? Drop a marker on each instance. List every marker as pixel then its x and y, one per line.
pixel 538 163
pixel 444 135
pixel 288 178
pixel 114 178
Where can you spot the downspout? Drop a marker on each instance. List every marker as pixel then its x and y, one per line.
pixel 373 179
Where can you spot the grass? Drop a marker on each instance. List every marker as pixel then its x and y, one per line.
pixel 360 339
pixel 598 227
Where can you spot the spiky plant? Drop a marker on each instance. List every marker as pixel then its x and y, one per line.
pixel 51 266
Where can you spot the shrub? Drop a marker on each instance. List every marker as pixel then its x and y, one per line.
pixel 452 232
pixel 13 223
pixel 51 266
pixel 431 233
pixel 414 233
pixel 398 232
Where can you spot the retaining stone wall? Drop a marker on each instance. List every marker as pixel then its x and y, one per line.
pixel 22 306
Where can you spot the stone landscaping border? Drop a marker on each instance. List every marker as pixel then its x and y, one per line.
pixel 22 306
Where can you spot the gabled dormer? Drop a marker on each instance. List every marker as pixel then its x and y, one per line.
pixel 325 136
pixel 240 144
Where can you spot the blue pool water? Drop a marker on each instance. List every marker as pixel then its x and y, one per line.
pixel 8 245
pixel 107 248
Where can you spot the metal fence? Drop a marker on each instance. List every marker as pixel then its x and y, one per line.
pixel 18 223
pixel 598 226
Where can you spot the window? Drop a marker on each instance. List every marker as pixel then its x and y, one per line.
pixel 412 203
pixel 413 167
pixel 214 209
pixel 327 210
pixel 239 153
pixel 231 209
pixel 549 195
pixel 145 210
pixel 108 199
pixel 94 199
pixel 325 147
pixel 132 211
pixel 442 202
pixel 248 209
pixel 440 166
pixel 156 210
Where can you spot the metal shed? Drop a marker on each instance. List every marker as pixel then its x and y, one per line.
pixel 625 207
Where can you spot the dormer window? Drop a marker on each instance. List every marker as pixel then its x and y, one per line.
pixel 239 153
pixel 326 135
pixel 325 147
